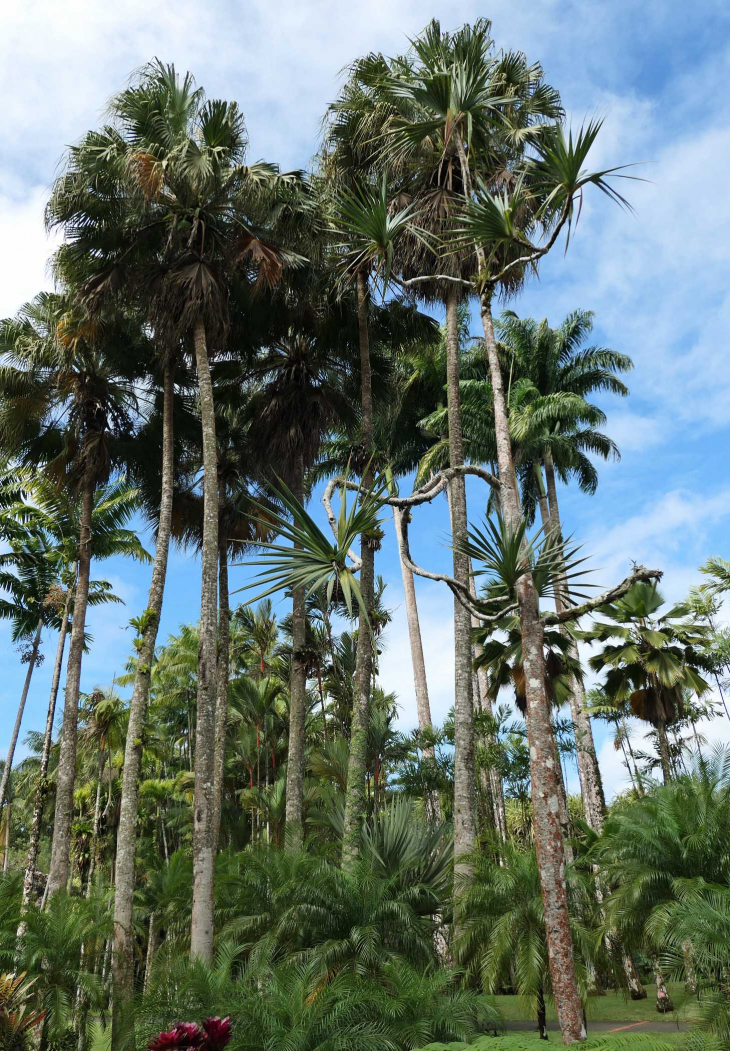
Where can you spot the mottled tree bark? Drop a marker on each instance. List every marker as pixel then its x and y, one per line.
pixel 298 699
pixel 543 772
pixel 464 770
pixel 591 784
pixel 123 958
pixel 19 717
pixel 201 926
pixel 66 778
pixel 355 797
pixel 420 682
pixel 42 780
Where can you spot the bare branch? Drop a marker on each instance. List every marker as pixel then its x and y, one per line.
pixel 436 277
pixel 617 592
pixel 536 251
pixel 332 518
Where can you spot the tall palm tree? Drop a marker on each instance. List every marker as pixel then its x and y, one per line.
pixel 188 209
pixel 28 610
pixel 649 659
pixel 562 369
pixel 56 516
pixel 300 397
pixel 66 407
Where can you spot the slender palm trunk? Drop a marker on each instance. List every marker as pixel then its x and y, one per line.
pixel 19 717
pixel 483 700
pixel 356 799
pixel 8 823
pixel 423 706
pixel 66 778
pixel 42 780
pixel 544 775
pixel 298 699
pixel 95 829
pixel 201 927
pixel 223 669
pixel 123 960
pixel 464 770
pixel 153 941
pixel 591 784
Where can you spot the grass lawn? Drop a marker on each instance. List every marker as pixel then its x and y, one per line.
pixel 613 1007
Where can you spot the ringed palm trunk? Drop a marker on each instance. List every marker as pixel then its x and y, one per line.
pixel 294 815
pixel 543 762
pixel 201 926
pixel 19 717
pixel 355 797
pixel 42 780
pixel 591 785
pixel 223 669
pixel 66 778
pixel 123 958
pixel 420 682
pixel 464 770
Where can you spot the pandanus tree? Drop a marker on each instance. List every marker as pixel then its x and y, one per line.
pixel 649 658
pixel 67 408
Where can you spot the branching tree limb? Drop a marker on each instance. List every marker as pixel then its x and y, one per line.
pixel 617 592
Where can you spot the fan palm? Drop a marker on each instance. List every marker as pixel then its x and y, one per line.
pixel 188 203
pixel 648 660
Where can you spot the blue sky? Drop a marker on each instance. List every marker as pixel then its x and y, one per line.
pixel 657 280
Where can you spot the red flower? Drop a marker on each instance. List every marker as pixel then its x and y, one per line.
pixel 186 1036
pixel 217 1033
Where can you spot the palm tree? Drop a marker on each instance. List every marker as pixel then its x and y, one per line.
pixel 369 227
pixel 57 517
pixel 66 407
pixel 503 940
pixel 189 206
pixel 300 397
pixel 28 611
pixel 648 660
pixel 664 850
pixel 565 373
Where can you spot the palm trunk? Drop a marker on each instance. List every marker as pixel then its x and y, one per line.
pixel 483 700
pixel 19 717
pixel 201 926
pixel 664 755
pixel 153 940
pixel 541 1015
pixel 294 816
pixel 8 822
pixel 423 707
pixel 66 779
pixel 543 773
pixel 355 799
pixel 464 770
pixel 95 831
pixel 42 783
pixel 123 960
pixel 663 1000
pixel 223 669
pixel 589 773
